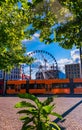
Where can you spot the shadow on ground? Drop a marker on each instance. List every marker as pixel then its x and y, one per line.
pixel 61 95
pixel 68 111
pixel 62 128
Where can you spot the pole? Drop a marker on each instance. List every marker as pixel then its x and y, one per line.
pixel 30 70
pixel 4 76
pixel 80 62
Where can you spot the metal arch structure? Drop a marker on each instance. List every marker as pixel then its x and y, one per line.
pixel 45 70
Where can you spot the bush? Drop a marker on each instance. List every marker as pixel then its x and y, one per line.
pixel 37 113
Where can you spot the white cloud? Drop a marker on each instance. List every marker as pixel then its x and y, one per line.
pixel 25 41
pixel 34 37
pixel 75 58
pixel 75 52
pixel 62 63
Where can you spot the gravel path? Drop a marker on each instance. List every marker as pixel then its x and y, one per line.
pixel 69 107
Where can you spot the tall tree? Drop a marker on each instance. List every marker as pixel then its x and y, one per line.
pixel 69 33
pixel 13 22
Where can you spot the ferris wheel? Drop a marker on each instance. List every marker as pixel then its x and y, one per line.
pixel 43 67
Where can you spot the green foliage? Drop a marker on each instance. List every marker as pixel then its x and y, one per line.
pixel 67 14
pixel 69 33
pixel 13 22
pixel 37 113
pixel 44 15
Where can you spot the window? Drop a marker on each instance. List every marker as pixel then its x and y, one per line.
pixel 31 86
pixel 39 86
pixel 23 86
pixel 11 86
pixel 0 75
pixel 0 86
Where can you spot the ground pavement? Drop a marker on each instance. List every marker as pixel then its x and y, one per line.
pixel 69 107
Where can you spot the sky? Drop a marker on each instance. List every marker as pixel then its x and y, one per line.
pixel 61 55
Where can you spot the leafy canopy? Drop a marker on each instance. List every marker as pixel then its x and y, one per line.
pixel 13 22
pixel 58 21
pixel 69 33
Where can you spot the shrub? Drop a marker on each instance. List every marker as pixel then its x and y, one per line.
pixel 37 113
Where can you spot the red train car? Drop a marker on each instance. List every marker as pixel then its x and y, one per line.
pixel 50 86
pixel 1 86
pixel 77 85
pixel 16 86
pixel 45 86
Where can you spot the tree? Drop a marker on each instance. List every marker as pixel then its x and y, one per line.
pixel 44 16
pixel 61 19
pixel 13 22
pixel 69 33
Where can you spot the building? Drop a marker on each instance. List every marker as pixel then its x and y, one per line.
pixel 1 74
pixel 49 74
pixel 72 70
pixel 25 77
pixel 14 74
pixel 61 75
